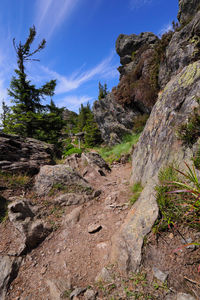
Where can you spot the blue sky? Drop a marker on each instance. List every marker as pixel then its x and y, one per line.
pixel 80 37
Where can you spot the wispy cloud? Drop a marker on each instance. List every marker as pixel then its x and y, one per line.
pixel 138 3
pixel 50 14
pixel 105 69
pixel 165 28
pixel 73 102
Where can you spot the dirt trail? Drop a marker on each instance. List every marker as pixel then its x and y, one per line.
pixel 71 255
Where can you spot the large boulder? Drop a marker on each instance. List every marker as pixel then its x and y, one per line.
pixel 62 178
pixel 187 9
pixel 26 155
pixel 88 164
pixel 23 216
pixel 183 49
pixel 9 267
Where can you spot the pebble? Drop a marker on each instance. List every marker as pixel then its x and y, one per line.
pixel 95 227
pixel 160 275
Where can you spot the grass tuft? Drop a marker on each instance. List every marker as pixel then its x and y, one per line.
pixel 111 154
pixel 136 190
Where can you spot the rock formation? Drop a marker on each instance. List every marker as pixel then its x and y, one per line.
pixel 159 145
pixel 25 155
pixel 137 91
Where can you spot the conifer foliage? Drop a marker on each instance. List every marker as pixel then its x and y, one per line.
pixel 28 117
pixel 87 124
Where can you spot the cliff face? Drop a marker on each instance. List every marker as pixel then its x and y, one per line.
pixel 179 76
pixel 137 90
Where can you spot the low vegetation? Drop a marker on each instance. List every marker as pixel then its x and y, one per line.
pixel 9 180
pixel 178 198
pixel 136 190
pixel 111 154
pixel 189 132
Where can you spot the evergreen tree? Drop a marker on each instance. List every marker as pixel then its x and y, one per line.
pixel 87 124
pixel 5 112
pixel 27 112
pixel 103 91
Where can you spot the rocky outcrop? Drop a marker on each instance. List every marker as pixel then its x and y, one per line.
pixel 187 9
pixel 23 216
pixel 173 107
pixel 157 147
pixel 9 267
pixel 182 50
pixel 60 178
pixel 114 120
pixel 128 45
pixel 26 155
pixel 137 91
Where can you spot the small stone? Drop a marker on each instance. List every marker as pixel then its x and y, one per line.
pixel 171 236
pixel 58 251
pixel 77 292
pixel 43 270
pixel 95 227
pixel 183 296
pixel 97 193
pixel 162 276
pixel 188 241
pixel 104 275
pixel 90 295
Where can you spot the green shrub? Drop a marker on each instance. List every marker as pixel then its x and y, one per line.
pixel 72 151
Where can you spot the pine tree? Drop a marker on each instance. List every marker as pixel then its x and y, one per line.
pixel 87 124
pixel 26 113
pixel 103 91
pixel 5 112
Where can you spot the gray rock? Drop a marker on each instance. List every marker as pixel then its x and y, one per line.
pixel 86 163
pixel 71 199
pixel 183 296
pixel 60 177
pixel 182 50
pixel 160 275
pixel 73 217
pixel 172 108
pixel 58 286
pixel 9 267
pixel 23 216
pixel 19 154
pixel 187 9
pixel 77 292
pixel 127 44
pixel 104 275
pixel 90 295
pixel 127 242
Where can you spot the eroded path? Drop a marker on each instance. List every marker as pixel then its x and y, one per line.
pixel 71 256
